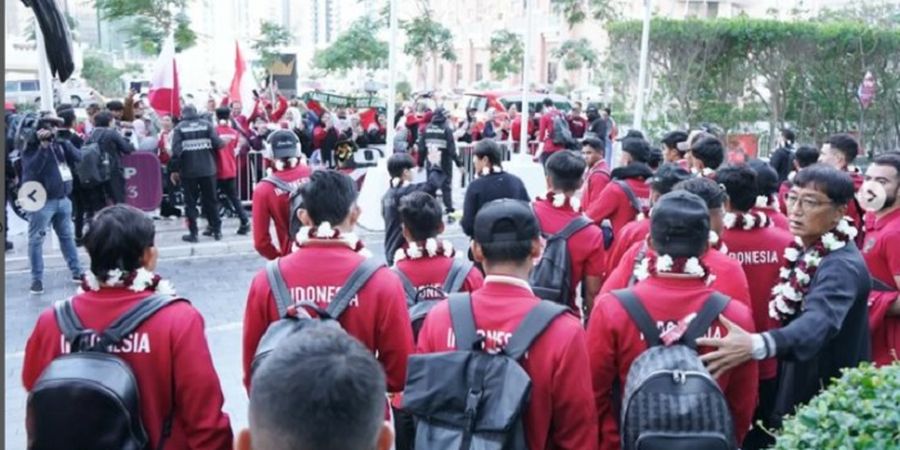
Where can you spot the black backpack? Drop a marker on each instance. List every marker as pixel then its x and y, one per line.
pixel 671 401
pixel 551 278
pixel 296 201
pixel 89 398
pixel 468 398
pixel 295 319
pixel 421 301
pixel 632 198
pixel 562 135
pixel 93 169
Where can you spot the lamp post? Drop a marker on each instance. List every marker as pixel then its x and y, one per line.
pixel 392 80
pixel 526 77
pixel 642 72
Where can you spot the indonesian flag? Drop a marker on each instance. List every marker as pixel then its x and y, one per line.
pixel 242 84
pixel 164 96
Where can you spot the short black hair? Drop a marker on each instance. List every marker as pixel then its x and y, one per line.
pixel 766 177
pixel 421 214
pixel 115 105
pixel 672 138
pixel 710 151
pixel 398 162
pixel 806 155
pixel 845 144
pixel 117 239
pixel 788 135
pixel 103 119
pixel 888 159
pixel 332 399
pixel 488 148
pixel 68 117
pixel 547 101
pixel 836 184
pixel 740 184
pixel 223 113
pixel 566 170
pixel 656 158
pixel 328 196
pixel 710 191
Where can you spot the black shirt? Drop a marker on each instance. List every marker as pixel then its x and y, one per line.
pixel 486 189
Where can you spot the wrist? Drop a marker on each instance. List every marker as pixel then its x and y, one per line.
pixel 763 346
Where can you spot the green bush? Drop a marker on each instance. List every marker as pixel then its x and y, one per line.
pixel 861 410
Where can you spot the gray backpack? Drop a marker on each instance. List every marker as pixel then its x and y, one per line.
pixel 421 301
pixel 632 197
pixel 551 278
pixel 671 401
pixel 296 201
pixel 469 399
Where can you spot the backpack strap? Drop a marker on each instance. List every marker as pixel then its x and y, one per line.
pixel 639 316
pixel 641 254
pixel 68 322
pixel 881 286
pixel 531 327
pixel 459 270
pixel 632 198
pixel 352 285
pixel 279 288
pixel 128 322
pixel 408 287
pixel 713 306
pixel 572 227
pixel 279 183
pixel 463 321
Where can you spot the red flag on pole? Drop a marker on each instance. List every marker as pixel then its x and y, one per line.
pixel 866 92
pixel 242 83
pixel 164 96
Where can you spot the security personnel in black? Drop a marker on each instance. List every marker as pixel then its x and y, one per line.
pixel 194 146
pixel 439 135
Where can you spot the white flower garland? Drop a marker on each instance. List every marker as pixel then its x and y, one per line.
pixel 397 182
pixel 766 202
pixel 716 242
pixel 432 248
pixel 706 172
pixel 485 171
pixel 326 232
pixel 141 280
pixel 559 200
pixel 748 221
pixel 666 264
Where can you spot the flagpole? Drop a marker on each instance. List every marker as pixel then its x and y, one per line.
pixel 392 80
pixel 642 71
pixel 526 79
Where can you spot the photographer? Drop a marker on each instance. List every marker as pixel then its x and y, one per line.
pixel 49 161
pixel 113 144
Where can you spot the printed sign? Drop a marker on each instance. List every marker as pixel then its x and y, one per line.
pixel 143 180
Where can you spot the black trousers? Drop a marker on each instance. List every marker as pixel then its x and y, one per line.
pixel 229 188
pixel 446 189
pixel 115 188
pixel 203 189
pixel 757 438
pixel 86 201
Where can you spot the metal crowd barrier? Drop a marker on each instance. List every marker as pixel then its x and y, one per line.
pixel 251 169
pixel 466 151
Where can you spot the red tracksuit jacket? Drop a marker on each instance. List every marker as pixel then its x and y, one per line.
pixel 730 279
pixel 226 164
pixel 271 204
pixel 560 414
pixel 586 252
pixel 545 132
pixel 882 253
pixel 432 271
pixel 761 254
pixel 168 350
pixel 629 235
pixel 778 219
pixel 614 342
pixel 596 180
pixel 377 317
pixel 613 203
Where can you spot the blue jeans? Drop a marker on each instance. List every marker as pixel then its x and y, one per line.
pixel 57 212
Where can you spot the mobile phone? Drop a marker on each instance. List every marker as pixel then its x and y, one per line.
pixel 135 86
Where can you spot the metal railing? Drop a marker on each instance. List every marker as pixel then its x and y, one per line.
pixel 466 152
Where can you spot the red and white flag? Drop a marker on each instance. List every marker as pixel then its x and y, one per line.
pixel 866 91
pixel 242 84
pixel 164 95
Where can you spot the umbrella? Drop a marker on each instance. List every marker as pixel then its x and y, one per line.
pixel 57 39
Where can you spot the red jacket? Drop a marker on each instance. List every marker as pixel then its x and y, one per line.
pixel 167 350
pixel 586 253
pixel 516 128
pixel 271 204
pixel 558 415
pixel 163 147
pixel 432 271
pixel 630 234
pixel 761 254
pixel 226 163
pixel 882 253
pixel 577 125
pixel 545 132
pixel 596 180
pixel 613 203
pixel 778 219
pixel 782 196
pixel 263 108
pixel 855 212
pixel 377 317
pixel 730 279
pixel 614 342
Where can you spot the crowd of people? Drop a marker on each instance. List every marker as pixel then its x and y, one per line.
pixel 777 274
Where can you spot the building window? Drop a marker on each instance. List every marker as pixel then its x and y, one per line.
pixel 441 74
pixel 479 72
pixel 459 77
pixel 551 72
pixel 712 10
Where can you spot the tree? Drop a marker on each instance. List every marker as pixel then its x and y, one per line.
pixel 271 38
pixel 507 52
pixel 577 11
pixel 427 39
pixel 576 53
pixel 150 21
pixel 356 48
pixel 100 74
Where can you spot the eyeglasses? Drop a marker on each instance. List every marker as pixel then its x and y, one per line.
pixel 806 203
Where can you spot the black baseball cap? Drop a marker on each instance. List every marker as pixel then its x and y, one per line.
pixel 632 134
pixel 680 221
pixel 505 220
pixel 667 176
pixel 638 148
pixel 592 109
pixel 284 144
pixel 594 140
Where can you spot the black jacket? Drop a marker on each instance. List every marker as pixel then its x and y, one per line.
pixel 783 162
pixel 486 189
pixel 438 134
pixel 41 164
pixel 390 204
pixel 633 170
pixel 113 144
pixel 831 333
pixel 194 146
pixel 599 128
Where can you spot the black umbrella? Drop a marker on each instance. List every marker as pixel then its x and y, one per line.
pixel 57 39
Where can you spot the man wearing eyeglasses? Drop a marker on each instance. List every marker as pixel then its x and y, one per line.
pixel 821 300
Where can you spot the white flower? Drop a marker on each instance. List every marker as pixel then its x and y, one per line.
pixel 114 277
pixel 664 263
pixel 729 220
pixel 142 280
pixel 496 169
pixel 790 293
pixel 845 227
pixel 831 242
pixel 448 249
pixel 762 201
pixel 485 171
pixel 763 218
pixel 692 267
pixel 641 216
pixel 749 221
pixel 399 255
pixel 576 204
pixel 710 279
pixel 798 241
pixel 414 251
pixel 165 287
pixel 431 247
pixel 778 288
pixel 812 259
pixel 791 254
pixel 325 230
pixel 642 269
pixel 802 277
pixel 303 235
pixel 559 200
pixel 784 273
pixel 365 253
pixel 351 239
pixel 713 237
pixel 91 280
pixel 723 249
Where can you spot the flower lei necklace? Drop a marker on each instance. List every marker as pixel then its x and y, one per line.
pixel 397 182
pixel 561 200
pixel 746 221
pixel 432 247
pixel 705 172
pixel 800 267
pixel 485 171
pixel 771 202
pixel 325 232
pixel 717 243
pixel 138 281
pixel 655 265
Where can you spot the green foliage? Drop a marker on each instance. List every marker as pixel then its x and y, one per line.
pixel 577 11
pixel 426 37
pixel 356 48
pixel 858 411
pixel 272 37
pixel 507 52
pixel 148 22
pixel 404 90
pixel 100 74
pixel 576 54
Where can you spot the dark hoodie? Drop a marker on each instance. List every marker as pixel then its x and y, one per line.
pixel 194 146
pixel 438 134
pixel 634 170
pixel 390 205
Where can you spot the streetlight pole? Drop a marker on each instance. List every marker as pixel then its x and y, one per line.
pixel 392 80
pixel 642 72
pixel 526 77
